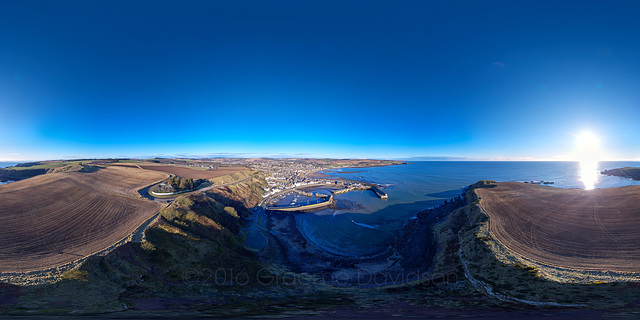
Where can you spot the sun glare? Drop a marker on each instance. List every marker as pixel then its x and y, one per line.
pixel 588 153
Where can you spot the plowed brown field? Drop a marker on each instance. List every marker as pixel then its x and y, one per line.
pixel 121 180
pixel 53 219
pixel 185 172
pixel 577 229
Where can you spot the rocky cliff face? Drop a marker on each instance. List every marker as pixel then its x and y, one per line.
pixel 242 196
pixel 9 174
pixel 194 249
pixel 628 172
pixel 430 241
pixel 12 174
pixel 193 258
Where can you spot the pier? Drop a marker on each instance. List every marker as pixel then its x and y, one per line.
pixel 328 198
pixel 313 206
pixel 381 194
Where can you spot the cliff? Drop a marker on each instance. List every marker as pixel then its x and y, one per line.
pixel 242 196
pixel 193 250
pixel 11 174
pixel 193 260
pixel 627 172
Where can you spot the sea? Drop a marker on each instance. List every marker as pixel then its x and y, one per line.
pixel 420 185
pixel 4 164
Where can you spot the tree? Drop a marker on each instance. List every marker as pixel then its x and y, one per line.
pixel 186 184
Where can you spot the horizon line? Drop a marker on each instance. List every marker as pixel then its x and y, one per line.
pixel 255 156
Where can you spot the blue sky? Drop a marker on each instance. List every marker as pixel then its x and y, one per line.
pixel 377 79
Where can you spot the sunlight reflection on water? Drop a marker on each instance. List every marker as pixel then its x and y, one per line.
pixel 589 174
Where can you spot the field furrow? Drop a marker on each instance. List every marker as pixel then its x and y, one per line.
pixel 53 219
pixel 575 229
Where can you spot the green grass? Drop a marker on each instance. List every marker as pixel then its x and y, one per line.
pixel 507 275
pixel 231 178
pixel 131 161
pixel 49 165
pixel 77 275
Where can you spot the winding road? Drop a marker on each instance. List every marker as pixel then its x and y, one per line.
pixel 145 191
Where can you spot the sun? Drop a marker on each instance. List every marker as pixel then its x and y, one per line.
pixel 587 141
pixel 588 154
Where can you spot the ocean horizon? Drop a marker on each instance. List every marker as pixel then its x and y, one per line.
pixel 424 184
pixel 5 164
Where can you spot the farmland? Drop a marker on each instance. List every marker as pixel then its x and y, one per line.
pixel 56 218
pixel 568 228
pixel 120 180
pixel 185 172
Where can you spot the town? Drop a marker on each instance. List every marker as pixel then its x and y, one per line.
pixel 289 173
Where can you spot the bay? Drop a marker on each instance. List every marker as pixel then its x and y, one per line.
pixel 420 185
pixel 5 164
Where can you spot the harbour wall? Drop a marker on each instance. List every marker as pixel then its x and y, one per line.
pixel 304 207
pixel 381 194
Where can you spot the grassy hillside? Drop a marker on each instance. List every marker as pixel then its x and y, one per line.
pixel 626 172
pixel 467 251
pixel 193 252
pixel 497 274
pixel 32 169
pixel 246 194
pixel 192 261
pixel 45 165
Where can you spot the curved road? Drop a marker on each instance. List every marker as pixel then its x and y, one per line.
pixel 138 234
pixel 145 191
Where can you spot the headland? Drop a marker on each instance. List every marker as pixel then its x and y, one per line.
pixel 499 246
pixel 584 231
pixel 626 172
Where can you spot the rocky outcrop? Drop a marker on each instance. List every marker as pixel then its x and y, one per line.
pixel 10 174
pixel 627 172
pixel 242 196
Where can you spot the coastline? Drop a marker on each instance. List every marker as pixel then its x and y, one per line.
pixel 427 223
pixel 564 266
pixel 626 172
pixel 319 175
pixel 289 246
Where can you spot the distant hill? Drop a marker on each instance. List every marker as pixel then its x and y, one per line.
pixel 437 159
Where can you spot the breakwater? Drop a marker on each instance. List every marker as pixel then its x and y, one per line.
pixel 313 206
pixel 381 194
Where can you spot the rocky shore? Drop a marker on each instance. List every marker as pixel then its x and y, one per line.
pixel 194 260
pixel 406 257
pixel 627 172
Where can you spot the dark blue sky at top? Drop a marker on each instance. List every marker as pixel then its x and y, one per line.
pixel 479 79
